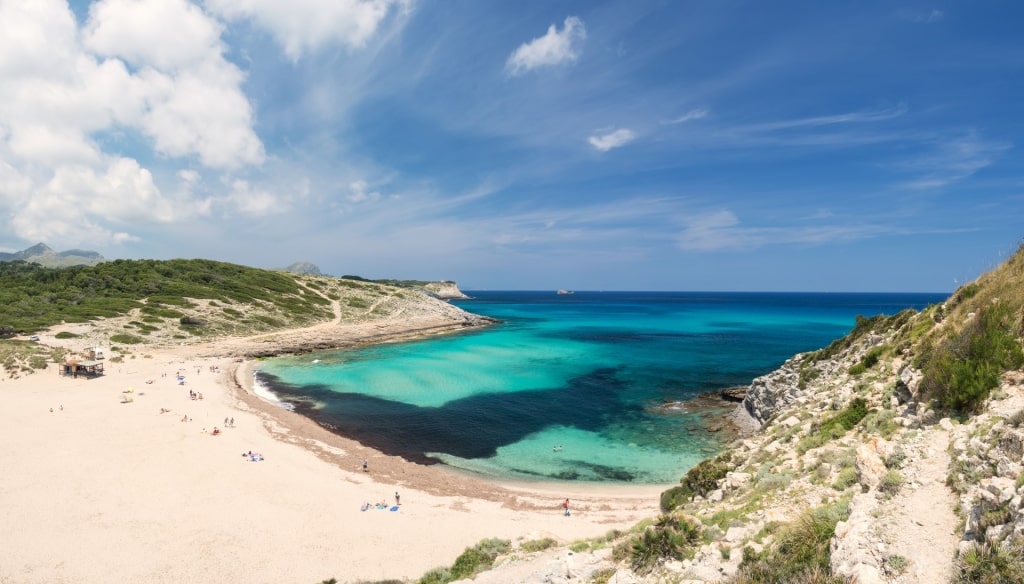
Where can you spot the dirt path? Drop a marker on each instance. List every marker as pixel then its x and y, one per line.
pixel 924 525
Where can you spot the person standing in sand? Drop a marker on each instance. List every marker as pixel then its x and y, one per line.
pixel 565 507
pixel 398 500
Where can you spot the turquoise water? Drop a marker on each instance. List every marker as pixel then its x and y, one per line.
pixel 585 372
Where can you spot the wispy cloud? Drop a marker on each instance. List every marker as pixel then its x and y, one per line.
pixel 857 117
pixel 605 142
pixel 951 160
pixel 722 231
pixel 694 114
pixel 921 16
pixel 554 48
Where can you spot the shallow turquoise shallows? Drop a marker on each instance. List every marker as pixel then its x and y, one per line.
pixel 568 387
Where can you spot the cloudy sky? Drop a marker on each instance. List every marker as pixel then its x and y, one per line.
pixel 536 144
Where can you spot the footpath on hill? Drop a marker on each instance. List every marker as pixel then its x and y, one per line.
pixel 921 525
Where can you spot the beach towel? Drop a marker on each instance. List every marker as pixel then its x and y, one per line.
pixel 395 508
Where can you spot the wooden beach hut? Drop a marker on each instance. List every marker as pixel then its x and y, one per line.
pixel 76 367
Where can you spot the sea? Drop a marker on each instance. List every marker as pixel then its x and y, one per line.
pixel 587 386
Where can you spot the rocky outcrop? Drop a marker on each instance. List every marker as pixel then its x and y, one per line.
pixel 445 290
pixel 304 268
pixel 770 393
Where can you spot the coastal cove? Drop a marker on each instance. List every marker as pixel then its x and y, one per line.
pixel 567 387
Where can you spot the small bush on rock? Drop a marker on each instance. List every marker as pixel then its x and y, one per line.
pixel 998 563
pixel 669 538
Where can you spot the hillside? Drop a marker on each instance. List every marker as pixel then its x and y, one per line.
pixel 141 303
pixel 895 454
pixel 43 255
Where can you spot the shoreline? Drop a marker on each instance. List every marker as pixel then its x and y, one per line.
pixel 113 473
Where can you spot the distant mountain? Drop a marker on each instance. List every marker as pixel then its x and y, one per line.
pixel 44 255
pixel 305 268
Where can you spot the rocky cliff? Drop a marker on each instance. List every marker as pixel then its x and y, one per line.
pixel 445 290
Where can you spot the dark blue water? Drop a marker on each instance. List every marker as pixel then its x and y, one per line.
pixel 585 372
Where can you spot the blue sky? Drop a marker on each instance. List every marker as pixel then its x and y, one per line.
pixel 645 145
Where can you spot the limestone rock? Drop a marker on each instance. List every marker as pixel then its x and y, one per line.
pixel 770 393
pixel 870 465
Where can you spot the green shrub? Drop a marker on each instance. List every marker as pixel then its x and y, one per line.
pixel 799 553
pixel 703 478
pixel 835 426
pixel 891 483
pixel 845 479
pixel 996 563
pixel 537 545
pixel 669 538
pixel 37 362
pixel 880 422
pixel 896 458
pixel 961 371
pixel 66 335
pixel 871 358
pixel 857 369
pixel 478 558
pixel 602 576
pixel 436 576
pixel 125 339
pixel 895 565
pixel 673 498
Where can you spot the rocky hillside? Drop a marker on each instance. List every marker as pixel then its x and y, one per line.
pixel 895 454
pixel 148 303
pixel 445 290
pixel 42 254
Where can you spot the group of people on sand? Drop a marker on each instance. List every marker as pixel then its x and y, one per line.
pixel 383 504
pixel 229 422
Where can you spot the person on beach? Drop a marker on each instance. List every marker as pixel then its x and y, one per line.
pixel 366 465
pixel 398 500
pixel 565 507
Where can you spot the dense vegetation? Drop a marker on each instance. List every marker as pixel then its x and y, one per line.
pixel 962 368
pixel 33 298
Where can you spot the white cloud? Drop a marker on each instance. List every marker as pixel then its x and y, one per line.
pixel 554 48
pixel 165 34
pixel 152 67
pixel 605 142
pixel 694 114
pixel 68 206
pixel 359 194
pixel 253 201
pixel 301 26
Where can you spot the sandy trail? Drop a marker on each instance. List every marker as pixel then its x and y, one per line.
pixel 924 525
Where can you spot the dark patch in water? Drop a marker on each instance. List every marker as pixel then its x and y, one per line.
pixel 472 427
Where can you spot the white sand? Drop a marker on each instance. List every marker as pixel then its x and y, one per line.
pixel 110 492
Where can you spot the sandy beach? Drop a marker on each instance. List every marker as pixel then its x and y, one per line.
pixel 98 490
